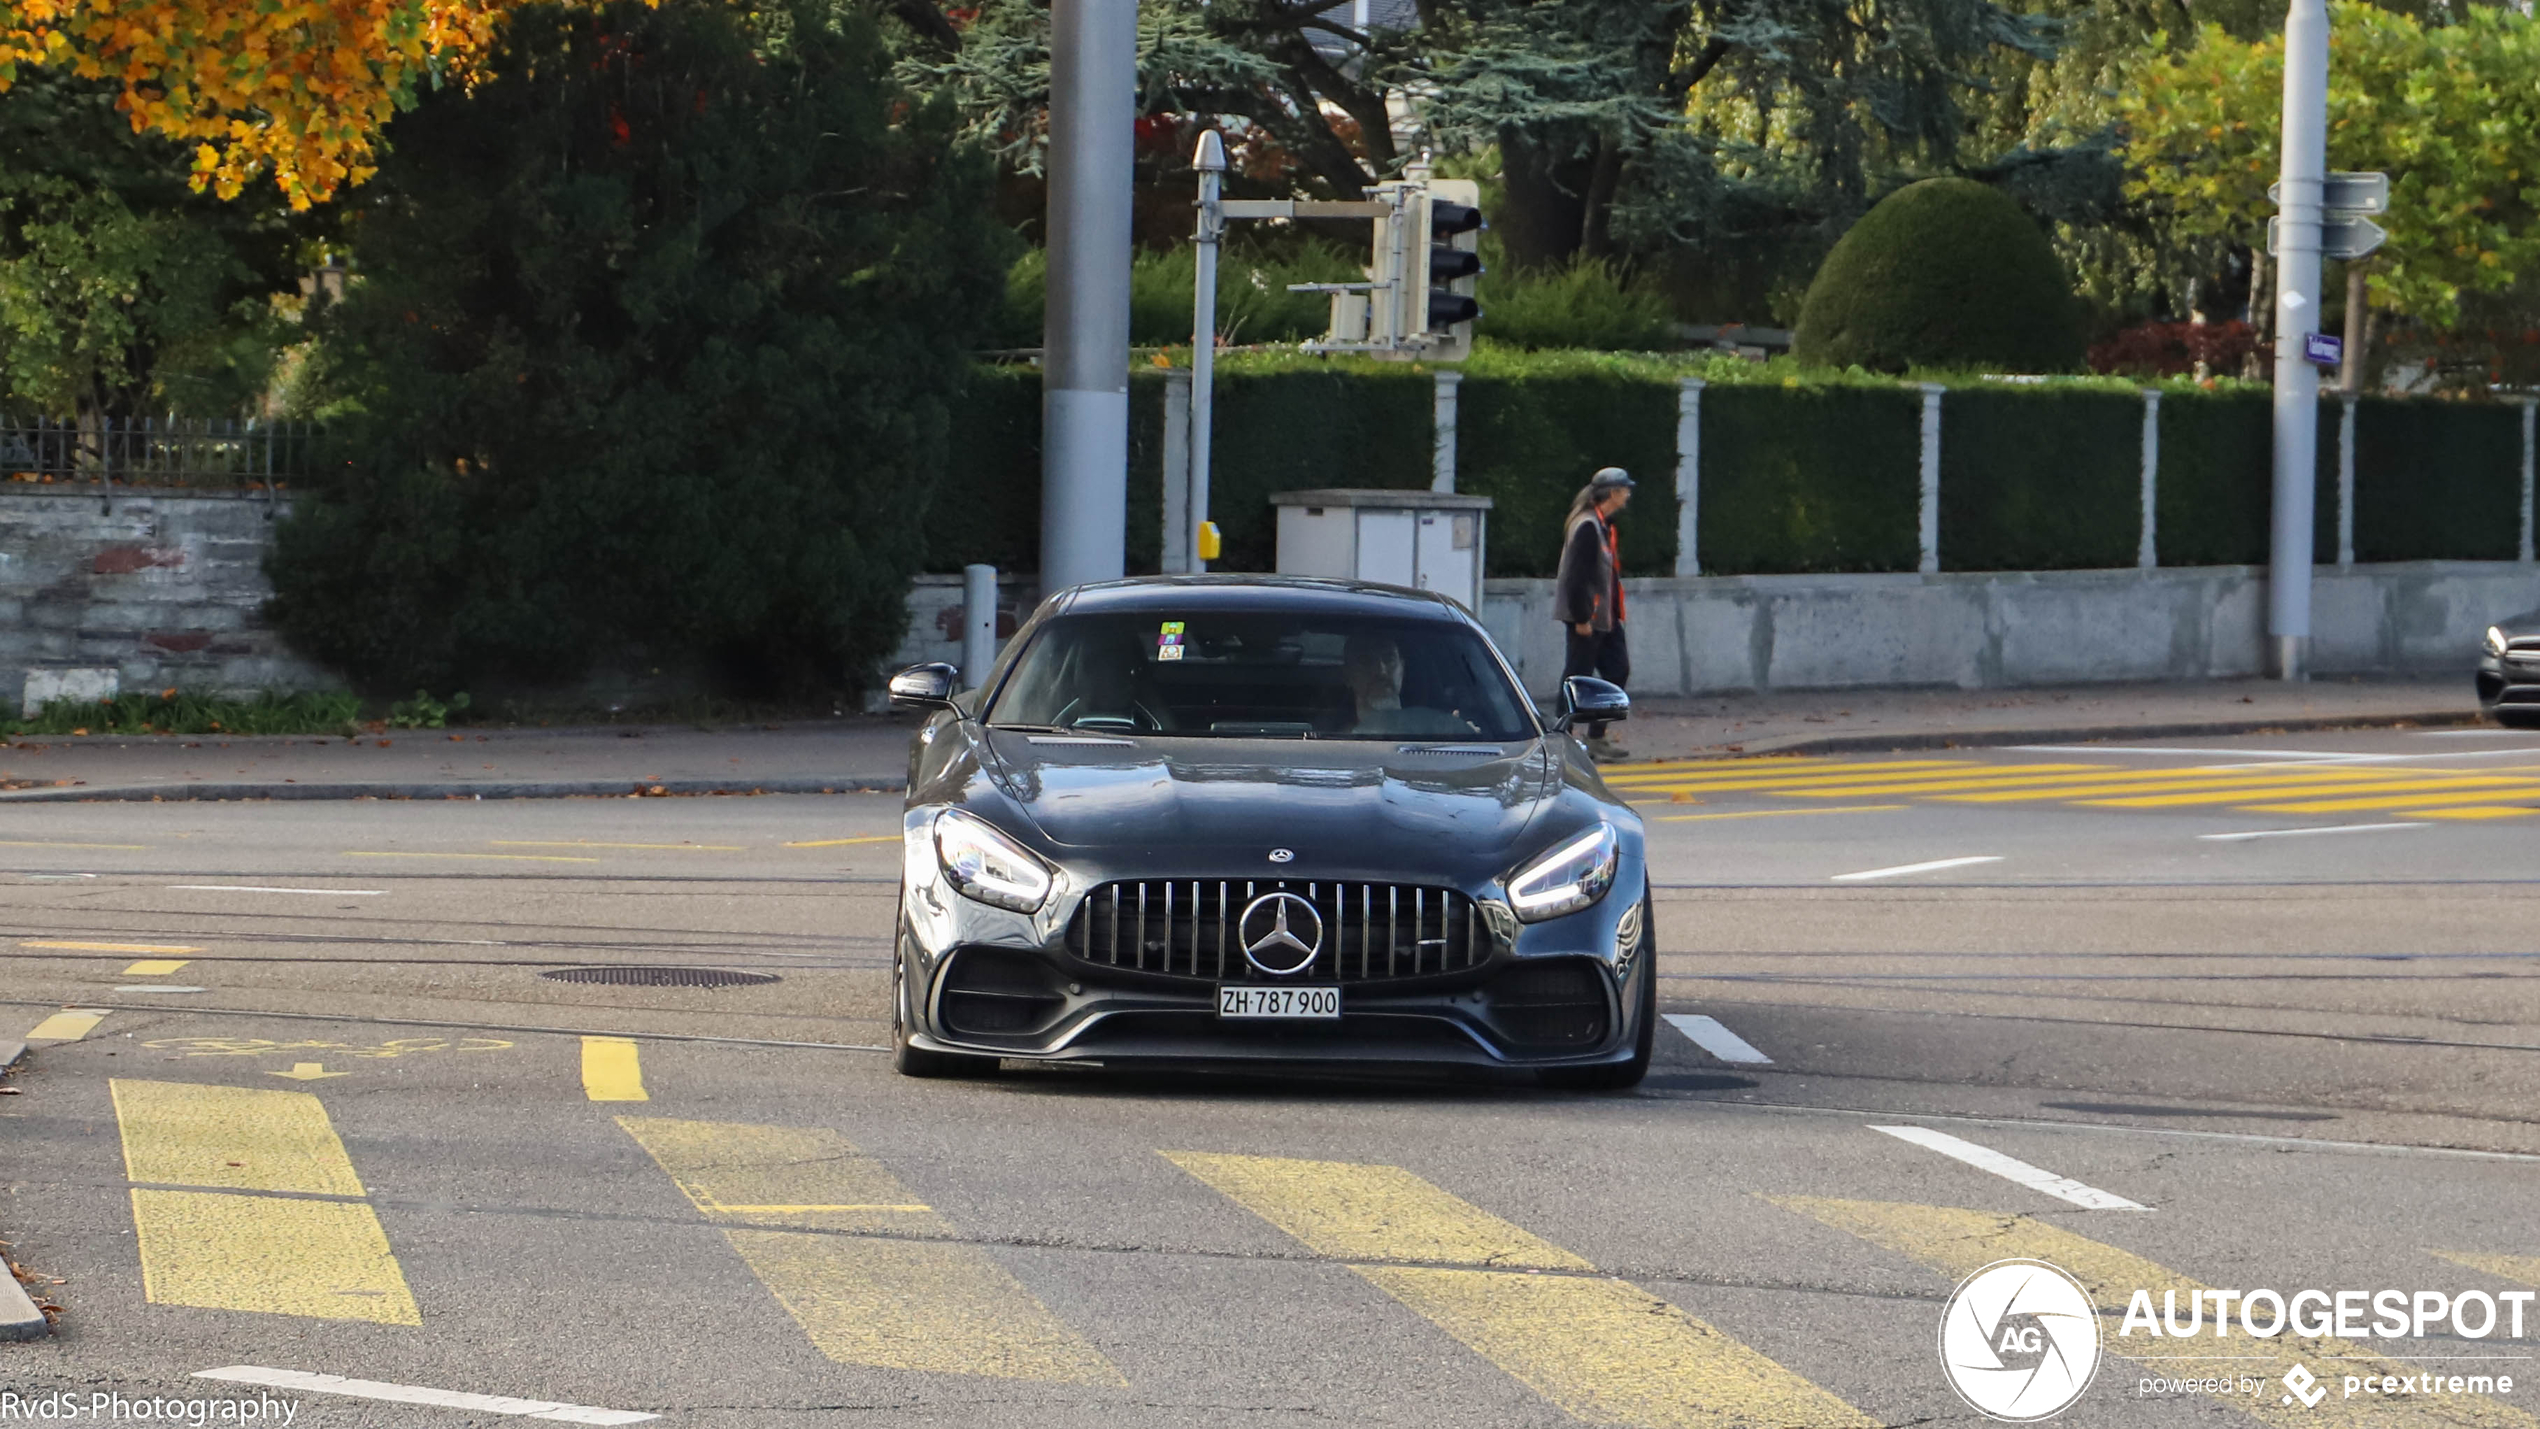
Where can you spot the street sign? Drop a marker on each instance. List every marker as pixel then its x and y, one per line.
pixel 2340 236
pixel 2324 349
pixel 2346 193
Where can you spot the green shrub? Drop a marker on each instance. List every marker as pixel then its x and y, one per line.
pixel 2040 479
pixel 1303 424
pixel 2436 480
pixel 1810 479
pixel 1530 443
pixel 1943 273
pixel 1253 301
pixel 652 363
pixel 1583 304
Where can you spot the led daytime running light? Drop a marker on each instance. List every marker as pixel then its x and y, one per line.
pixel 986 865
pixel 1567 879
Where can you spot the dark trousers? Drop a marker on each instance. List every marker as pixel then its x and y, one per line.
pixel 1601 653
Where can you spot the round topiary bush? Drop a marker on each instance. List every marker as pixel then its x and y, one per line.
pixel 1942 273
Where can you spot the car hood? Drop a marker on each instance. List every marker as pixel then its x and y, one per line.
pixel 1333 801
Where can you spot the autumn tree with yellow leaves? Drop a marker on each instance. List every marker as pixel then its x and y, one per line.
pixel 294 89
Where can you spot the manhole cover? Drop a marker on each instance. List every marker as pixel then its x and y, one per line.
pixel 660 977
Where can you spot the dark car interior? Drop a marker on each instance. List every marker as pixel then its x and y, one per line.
pixel 1275 674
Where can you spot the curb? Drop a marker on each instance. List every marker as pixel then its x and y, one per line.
pixel 483 789
pixel 19 1319
pixel 1972 739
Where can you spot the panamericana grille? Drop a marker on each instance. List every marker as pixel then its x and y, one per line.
pixel 1188 928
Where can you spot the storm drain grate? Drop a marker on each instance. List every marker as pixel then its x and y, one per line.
pixel 636 976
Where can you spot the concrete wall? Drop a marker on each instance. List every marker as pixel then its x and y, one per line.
pixel 1998 629
pixel 159 588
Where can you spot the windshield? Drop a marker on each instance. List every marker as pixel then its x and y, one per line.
pixel 1262 674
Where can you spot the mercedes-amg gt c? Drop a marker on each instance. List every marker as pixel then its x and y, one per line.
pixel 1252 820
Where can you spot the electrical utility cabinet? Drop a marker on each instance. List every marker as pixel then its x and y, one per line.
pixel 1428 540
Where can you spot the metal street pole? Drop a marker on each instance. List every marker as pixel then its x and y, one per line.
pixel 2297 382
pixel 1085 345
pixel 1210 163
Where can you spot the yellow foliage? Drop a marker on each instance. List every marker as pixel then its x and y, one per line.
pixel 298 89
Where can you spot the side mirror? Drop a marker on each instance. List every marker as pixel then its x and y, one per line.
pixel 1586 699
pixel 925 687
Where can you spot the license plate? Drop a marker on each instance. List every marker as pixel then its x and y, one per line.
pixel 1280 1003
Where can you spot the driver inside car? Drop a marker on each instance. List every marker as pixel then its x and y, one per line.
pixel 1371 665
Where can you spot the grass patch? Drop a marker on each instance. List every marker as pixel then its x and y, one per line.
pixel 185 712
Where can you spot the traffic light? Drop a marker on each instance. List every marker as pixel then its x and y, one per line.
pixel 1423 259
pixel 1444 280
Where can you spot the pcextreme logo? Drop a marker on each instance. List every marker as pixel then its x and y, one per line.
pixel 2019 1341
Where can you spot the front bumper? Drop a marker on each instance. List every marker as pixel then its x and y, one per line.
pixel 2508 682
pixel 1565 992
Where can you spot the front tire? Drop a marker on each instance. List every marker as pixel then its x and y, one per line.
pixel 1623 1076
pixel 2516 716
pixel 912 1061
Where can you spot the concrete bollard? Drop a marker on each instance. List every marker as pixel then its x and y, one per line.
pixel 978 624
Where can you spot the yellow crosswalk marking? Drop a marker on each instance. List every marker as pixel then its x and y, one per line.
pixel 2481 811
pixel 914 1304
pixel 2383 787
pixel 2525 1268
pixel 1956 1243
pixel 225 1248
pixel 2292 783
pixel 2404 796
pixel 154 967
pixel 1602 1350
pixel 1698 767
pixel 1753 779
pixel 68 1025
pixel 612 1070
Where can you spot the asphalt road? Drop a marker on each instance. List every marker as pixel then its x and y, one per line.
pixel 2249 1013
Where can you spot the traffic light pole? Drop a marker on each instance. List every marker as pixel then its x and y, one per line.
pixel 1210 164
pixel 2301 191
pixel 1085 345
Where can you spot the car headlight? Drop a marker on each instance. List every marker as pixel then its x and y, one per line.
pixel 2495 640
pixel 1567 879
pixel 984 864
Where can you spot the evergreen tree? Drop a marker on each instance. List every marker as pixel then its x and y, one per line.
pixel 649 360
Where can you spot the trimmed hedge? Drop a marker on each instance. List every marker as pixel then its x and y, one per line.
pixel 1530 444
pixel 2435 481
pixel 2040 480
pixel 1820 477
pixel 2215 487
pixel 1810 479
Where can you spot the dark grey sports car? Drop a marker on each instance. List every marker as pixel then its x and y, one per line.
pixel 2509 671
pixel 1238 820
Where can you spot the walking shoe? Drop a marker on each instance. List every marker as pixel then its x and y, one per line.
pixel 1604 750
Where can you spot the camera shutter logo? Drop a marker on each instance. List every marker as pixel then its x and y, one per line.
pixel 1281 933
pixel 2019 1341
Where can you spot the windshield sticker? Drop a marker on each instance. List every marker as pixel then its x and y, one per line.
pixel 1169 652
pixel 1173 627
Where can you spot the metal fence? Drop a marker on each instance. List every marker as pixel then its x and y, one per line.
pixel 155 451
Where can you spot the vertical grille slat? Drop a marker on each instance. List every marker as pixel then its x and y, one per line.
pixel 1170 927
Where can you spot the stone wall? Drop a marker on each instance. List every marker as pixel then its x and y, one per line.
pixel 1694 634
pixel 141 590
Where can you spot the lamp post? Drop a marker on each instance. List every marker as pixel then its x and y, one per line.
pixel 2300 194
pixel 1085 344
pixel 1209 162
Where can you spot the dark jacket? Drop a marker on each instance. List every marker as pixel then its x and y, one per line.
pixel 1583 591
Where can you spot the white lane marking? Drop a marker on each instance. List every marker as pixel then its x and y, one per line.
pixel 251 888
pixel 2298 833
pixel 1905 868
pixel 1711 1037
pixel 415 1394
pixel 2011 1168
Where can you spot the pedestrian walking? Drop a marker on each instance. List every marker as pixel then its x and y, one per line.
pixel 1588 593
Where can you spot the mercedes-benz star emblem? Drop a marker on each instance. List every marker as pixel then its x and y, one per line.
pixel 1282 855
pixel 1281 933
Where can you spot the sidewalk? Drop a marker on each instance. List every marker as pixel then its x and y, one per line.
pixel 871 753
